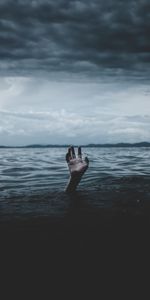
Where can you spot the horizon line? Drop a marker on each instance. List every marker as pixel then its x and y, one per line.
pixel 144 143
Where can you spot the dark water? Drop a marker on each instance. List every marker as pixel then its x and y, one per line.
pixel 98 235
pixel 32 181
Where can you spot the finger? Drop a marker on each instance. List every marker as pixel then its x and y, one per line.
pixel 73 152
pixel 79 152
pixel 67 157
pixel 87 160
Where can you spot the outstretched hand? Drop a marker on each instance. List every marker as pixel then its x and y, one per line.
pixel 77 167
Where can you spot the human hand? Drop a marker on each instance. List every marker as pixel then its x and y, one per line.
pixel 77 167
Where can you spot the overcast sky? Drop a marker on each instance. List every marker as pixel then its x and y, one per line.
pixel 74 72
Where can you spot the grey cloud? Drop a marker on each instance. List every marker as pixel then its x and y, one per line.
pixel 74 36
pixel 52 127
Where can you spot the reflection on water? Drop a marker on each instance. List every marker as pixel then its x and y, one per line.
pixel 32 181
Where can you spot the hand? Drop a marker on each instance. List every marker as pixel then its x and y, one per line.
pixel 77 167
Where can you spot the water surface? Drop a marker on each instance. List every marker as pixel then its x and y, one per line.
pixel 33 180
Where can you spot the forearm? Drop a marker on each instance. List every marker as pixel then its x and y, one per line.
pixel 73 183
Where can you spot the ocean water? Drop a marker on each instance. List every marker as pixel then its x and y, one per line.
pixel 33 180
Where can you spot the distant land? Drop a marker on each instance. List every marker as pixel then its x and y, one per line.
pixel 125 145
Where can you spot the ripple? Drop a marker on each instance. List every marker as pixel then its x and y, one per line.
pixel 23 171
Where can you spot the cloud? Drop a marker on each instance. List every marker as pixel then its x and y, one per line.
pixel 35 110
pixel 64 127
pixel 74 36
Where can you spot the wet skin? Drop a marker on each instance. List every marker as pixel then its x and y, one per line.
pixel 77 167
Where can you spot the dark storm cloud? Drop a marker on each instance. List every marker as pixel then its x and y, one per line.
pixel 76 36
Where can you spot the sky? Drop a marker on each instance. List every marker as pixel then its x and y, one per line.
pixel 74 72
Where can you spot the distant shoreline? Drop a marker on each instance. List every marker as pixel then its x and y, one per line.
pixel 92 145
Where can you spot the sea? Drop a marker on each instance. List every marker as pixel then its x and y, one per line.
pixel 33 181
pixel 95 239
